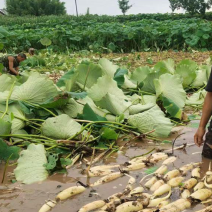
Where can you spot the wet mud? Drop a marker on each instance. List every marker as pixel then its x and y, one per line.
pixel 29 198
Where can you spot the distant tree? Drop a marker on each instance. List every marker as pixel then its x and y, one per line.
pixel 174 5
pixel 35 7
pixel 191 6
pixel 88 11
pixel 124 6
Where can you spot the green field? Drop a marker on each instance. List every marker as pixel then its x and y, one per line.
pixel 108 34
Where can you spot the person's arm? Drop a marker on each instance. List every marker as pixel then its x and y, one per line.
pixel 206 114
pixel 11 61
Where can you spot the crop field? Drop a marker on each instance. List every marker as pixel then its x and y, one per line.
pixel 102 117
pixel 100 35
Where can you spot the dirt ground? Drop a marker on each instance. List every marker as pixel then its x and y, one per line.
pixel 24 198
pixel 138 59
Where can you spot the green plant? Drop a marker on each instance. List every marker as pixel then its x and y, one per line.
pixel 193 7
pixel 124 6
pixel 35 7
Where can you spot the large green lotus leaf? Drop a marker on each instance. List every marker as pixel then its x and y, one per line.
pixel 60 127
pixel 108 67
pixel 149 85
pixel 114 105
pixel 19 132
pixel 73 108
pixel 15 109
pixel 128 83
pixel 3 96
pixel 187 70
pixel 149 99
pixel 166 65
pixel 122 79
pixel 208 70
pixel 99 111
pixel 5 127
pixel 46 41
pixel 201 78
pixel 7 152
pixel 103 86
pixel 134 109
pixel 170 86
pixel 67 81
pixel 88 73
pixel 119 76
pixel 31 162
pixel 37 89
pixel 140 74
pixel 197 98
pixel 153 119
pixel 135 99
pixel 6 82
pixel 88 114
pixel 172 108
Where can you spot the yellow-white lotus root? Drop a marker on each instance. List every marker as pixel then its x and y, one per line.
pixel 111 205
pixel 175 182
pixel 157 157
pixel 155 202
pixel 92 206
pixel 185 194
pixel 201 194
pixel 115 196
pixel 163 203
pixel 186 168
pixel 138 159
pixel 157 185
pixel 144 199
pixel 148 210
pixel 172 174
pixel 151 182
pixel 162 190
pixel 132 180
pixel 100 173
pixel 48 206
pixel 137 190
pixel 103 168
pixel 196 173
pixel 209 179
pixel 69 192
pixel 208 209
pixel 199 186
pixel 107 178
pixel 163 169
pixel 169 160
pixel 190 183
pixel 206 183
pixel 129 207
pixel 176 206
pixel 135 166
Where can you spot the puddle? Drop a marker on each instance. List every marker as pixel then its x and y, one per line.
pixel 25 198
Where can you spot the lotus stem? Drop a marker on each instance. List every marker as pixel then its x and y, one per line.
pixel 7 101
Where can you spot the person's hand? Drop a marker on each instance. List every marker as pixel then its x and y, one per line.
pixel 198 137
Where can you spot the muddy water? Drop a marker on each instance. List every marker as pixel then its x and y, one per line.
pixel 29 198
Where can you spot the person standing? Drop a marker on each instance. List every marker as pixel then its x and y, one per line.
pixel 206 115
pixel 11 63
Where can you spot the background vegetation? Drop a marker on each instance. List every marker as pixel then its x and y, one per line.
pixel 35 7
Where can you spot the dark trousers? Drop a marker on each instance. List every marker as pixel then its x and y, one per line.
pixel 207 148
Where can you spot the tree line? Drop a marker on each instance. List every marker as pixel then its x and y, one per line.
pixel 56 7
